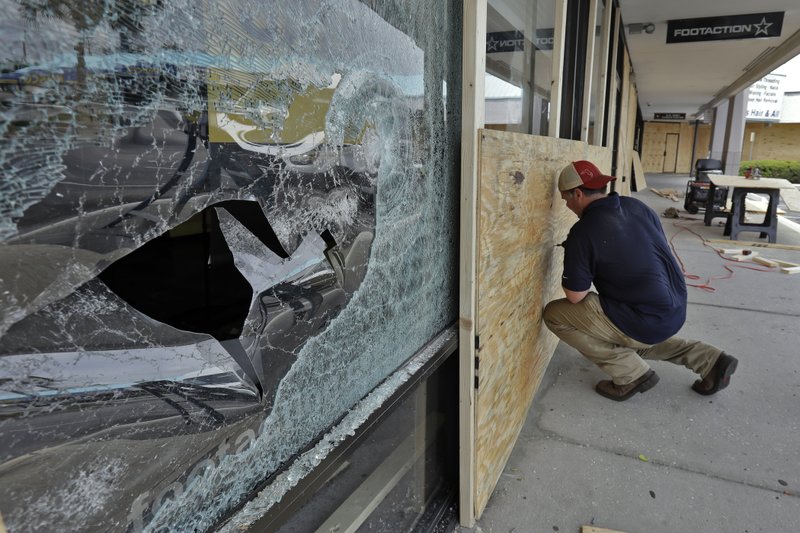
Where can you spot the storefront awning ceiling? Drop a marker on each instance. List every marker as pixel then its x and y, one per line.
pixel 696 75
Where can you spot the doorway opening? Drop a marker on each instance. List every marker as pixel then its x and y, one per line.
pixel 670 153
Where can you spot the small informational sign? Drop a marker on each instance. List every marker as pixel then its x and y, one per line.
pixel 669 116
pixel 514 41
pixel 752 26
pixel 765 99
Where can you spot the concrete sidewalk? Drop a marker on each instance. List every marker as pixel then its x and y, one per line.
pixel 670 460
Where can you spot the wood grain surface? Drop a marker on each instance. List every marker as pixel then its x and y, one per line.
pixel 521 219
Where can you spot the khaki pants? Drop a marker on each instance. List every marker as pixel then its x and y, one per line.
pixel 585 327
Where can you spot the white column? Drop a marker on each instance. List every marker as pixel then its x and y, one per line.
pixel 737 113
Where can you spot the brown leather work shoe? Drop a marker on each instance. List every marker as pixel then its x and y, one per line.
pixel 718 377
pixel 621 393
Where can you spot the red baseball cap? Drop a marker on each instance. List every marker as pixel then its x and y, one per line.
pixel 582 174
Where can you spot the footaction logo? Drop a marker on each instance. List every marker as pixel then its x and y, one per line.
pixel 752 26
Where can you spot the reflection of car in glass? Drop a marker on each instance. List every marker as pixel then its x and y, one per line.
pixel 168 265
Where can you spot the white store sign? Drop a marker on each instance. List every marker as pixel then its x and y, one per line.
pixel 766 99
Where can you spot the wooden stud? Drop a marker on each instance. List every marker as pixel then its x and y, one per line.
pixel 623 184
pixel 743 257
pixel 633 100
pixel 592 529
pixel 472 117
pixel 638 173
pixel 766 262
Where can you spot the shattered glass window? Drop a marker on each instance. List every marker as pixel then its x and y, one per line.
pixel 222 224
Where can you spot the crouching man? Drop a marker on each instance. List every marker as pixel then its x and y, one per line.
pixel 618 245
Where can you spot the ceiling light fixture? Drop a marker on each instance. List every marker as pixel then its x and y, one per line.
pixel 637 28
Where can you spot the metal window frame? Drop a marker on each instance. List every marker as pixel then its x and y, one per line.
pixel 305 489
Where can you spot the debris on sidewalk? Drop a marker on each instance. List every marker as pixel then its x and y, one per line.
pixel 736 254
pixel 593 529
pixel 672 194
pixel 766 262
pixel 748 244
pixel 671 212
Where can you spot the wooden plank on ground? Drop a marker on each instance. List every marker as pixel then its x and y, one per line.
pixel 638 172
pixel 521 219
pixel 750 244
pixel 764 261
pixel 593 529
pixel 672 194
pixel 745 255
pixel 786 264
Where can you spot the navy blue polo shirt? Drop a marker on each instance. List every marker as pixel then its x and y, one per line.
pixel 618 244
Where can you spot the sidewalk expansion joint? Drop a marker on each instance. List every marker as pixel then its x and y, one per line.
pixel 746 309
pixel 551 435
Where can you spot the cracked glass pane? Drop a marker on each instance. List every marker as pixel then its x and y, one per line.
pixel 222 224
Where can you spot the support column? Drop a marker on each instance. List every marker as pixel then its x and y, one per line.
pixel 718 131
pixel 737 114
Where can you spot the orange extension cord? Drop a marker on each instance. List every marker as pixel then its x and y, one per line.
pixel 706 286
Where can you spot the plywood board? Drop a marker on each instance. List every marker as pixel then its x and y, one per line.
pixel 638 173
pixel 632 105
pixel 791 197
pixel 521 219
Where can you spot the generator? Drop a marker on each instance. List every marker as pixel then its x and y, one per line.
pixel 697 190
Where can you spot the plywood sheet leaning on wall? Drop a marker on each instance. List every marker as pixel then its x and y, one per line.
pixel 638 173
pixel 521 219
